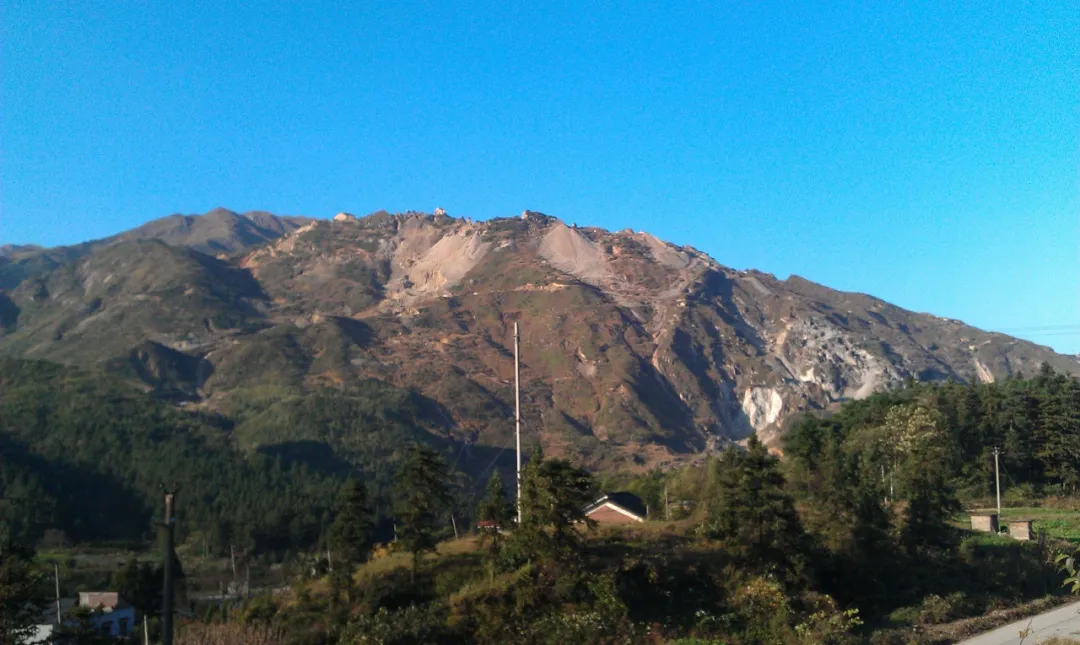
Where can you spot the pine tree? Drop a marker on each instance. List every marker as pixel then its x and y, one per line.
pixel 21 604
pixel 422 497
pixel 495 511
pixel 141 585
pixel 750 513
pixel 931 505
pixel 1019 420
pixel 351 530
pixel 554 494
pixel 1059 433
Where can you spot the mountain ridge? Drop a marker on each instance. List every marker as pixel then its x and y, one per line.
pixel 635 351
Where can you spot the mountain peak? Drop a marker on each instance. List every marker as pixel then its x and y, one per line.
pixel 220 213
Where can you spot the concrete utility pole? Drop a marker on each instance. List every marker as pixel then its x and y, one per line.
pixel 997 480
pixel 56 577
pixel 517 413
pixel 167 593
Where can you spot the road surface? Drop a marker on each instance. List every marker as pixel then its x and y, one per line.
pixel 1063 622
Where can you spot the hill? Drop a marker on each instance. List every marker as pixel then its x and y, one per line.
pixel 636 352
pixel 87 454
pixel 218 231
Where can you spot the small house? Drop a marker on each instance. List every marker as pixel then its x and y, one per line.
pixel 1020 529
pixel 489 526
pixel 617 508
pixel 110 615
pixel 985 522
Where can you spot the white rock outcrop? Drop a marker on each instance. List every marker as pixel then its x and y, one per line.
pixel 762 406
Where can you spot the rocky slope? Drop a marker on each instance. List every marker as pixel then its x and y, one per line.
pixel 635 351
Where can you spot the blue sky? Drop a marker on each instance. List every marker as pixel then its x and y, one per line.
pixel 926 153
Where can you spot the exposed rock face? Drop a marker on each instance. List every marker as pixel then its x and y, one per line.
pixel 573 253
pixel 635 351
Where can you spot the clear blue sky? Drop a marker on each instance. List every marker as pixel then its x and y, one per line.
pixel 925 153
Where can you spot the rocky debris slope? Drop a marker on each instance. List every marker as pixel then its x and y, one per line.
pixel 635 351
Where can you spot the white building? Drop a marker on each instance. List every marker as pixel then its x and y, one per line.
pixel 109 613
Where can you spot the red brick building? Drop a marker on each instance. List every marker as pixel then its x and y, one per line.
pixel 617 508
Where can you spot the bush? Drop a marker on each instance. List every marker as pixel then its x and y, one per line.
pixel 400 627
pixel 905 616
pixel 935 610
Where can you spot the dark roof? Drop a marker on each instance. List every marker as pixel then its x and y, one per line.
pixel 624 500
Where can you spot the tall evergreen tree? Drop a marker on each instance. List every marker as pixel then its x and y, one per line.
pixel 1059 432
pixel 422 497
pixel 554 494
pixel 350 532
pixel 21 604
pixel 496 512
pixel 932 503
pixel 751 513
pixel 140 583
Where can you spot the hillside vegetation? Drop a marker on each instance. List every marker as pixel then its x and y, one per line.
pixel 87 455
pixel 851 539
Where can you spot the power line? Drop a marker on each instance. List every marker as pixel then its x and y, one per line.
pixel 1056 326
pixel 1028 328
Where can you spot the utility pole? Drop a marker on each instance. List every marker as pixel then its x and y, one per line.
pixel 56 577
pixel 997 480
pixel 517 413
pixel 667 505
pixel 167 593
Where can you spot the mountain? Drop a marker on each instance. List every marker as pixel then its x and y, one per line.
pixel 635 352
pixel 219 231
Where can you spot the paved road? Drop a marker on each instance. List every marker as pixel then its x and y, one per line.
pixel 1063 621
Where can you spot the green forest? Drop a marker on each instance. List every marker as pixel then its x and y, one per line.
pixel 86 454
pixel 855 535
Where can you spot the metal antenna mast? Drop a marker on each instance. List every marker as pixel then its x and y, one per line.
pixel 517 413
pixel 167 592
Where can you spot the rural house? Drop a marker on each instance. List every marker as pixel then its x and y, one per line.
pixel 617 508
pixel 110 614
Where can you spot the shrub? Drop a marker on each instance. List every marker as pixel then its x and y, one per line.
pixel 935 610
pixel 399 627
pixel 905 616
pixel 228 634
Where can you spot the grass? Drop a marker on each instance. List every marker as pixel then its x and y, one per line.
pixel 388 561
pixel 1058 524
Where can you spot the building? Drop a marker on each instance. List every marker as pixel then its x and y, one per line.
pixel 1021 529
pixel 617 508
pixel 985 522
pixel 43 631
pixel 112 614
pixel 108 613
